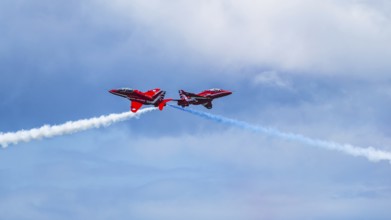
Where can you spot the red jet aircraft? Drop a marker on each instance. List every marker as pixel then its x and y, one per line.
pixel 204 98
pixel 152 97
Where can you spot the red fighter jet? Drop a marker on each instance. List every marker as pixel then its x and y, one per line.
pixel 152 97
pixel 204 98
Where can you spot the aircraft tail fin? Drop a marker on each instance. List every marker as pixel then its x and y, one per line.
pixel 186 95
pixel 208 105
pixel 164 103
pixel 182 94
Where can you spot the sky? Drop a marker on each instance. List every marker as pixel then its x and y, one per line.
pixel 316 68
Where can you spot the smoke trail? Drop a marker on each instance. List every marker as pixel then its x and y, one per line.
pixel 370 153
pixel 69 127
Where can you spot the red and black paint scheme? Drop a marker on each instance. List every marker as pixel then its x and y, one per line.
pixel 137 98
pixel 204 98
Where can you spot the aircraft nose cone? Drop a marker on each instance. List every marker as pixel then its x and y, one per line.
pixel 113 91
pixel 228 92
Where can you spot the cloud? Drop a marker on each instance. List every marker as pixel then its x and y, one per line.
pixel 91 39
pixel 270 78
pixel 315 37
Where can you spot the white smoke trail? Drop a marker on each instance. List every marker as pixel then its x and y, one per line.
pixel 370 153
pixel 69 127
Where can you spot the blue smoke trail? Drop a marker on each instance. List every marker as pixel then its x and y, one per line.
pixel 370 153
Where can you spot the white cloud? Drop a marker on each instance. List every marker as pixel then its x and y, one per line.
pixel 270 78
pixel 329 37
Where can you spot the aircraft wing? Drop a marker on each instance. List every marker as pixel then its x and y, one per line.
pixel 135 106
pixel 152 92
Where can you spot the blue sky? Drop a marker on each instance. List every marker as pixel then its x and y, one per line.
pixel 317 68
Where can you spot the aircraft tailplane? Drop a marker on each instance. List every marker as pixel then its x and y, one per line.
pixel 163 103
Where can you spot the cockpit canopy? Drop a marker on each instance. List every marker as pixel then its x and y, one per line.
pixel 215 90
pixel 126 90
